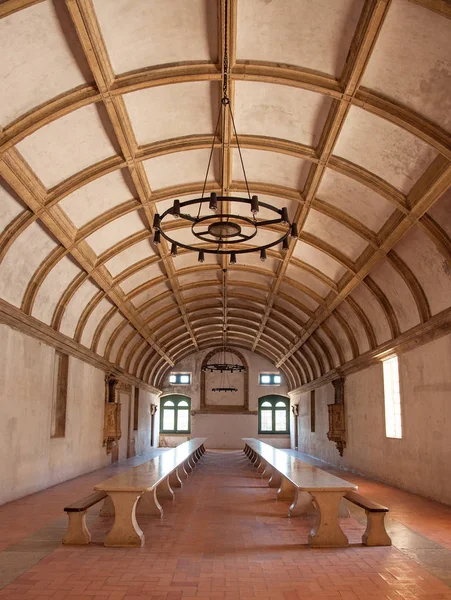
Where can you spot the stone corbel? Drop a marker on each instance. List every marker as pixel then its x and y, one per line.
pixel 295 410
pixel 337 417
pixel 153 409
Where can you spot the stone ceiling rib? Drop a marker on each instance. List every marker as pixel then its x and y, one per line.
pixel 85 21
pixel 28 187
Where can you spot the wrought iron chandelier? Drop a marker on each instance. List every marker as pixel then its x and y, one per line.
pixel 220 231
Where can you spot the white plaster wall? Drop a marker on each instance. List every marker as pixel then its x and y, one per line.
pixel 421 461
pixel 29 459
pixel 225 430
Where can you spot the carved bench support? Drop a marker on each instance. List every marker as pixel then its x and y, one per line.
pixel 375 533
pixel 302 505
pixel 275 480
pixel 126 531
pixel 327 532
pixel 165 490
pixel 174 479
pixel 77 531
pixel 286 490
pixel 148 505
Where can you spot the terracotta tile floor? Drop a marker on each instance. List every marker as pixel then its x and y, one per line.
pixel 225 536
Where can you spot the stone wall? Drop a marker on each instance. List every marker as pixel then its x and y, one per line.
pixel 419 462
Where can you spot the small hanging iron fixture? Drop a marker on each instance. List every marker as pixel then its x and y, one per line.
pixel 220 231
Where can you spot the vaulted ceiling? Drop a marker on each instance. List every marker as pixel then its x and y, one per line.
pixel 343 110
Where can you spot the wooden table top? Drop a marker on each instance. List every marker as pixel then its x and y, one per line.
pixel 304 476
pixel 147 476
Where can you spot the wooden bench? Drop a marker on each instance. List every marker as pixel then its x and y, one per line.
pixel 77 531
pixel 122 493
pixel 375 533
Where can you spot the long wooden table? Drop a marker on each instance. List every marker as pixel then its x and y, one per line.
pixel 315 491
pixel 141 483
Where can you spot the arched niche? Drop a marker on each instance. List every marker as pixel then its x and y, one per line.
pixel 205 407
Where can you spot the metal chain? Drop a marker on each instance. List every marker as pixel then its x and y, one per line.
pixel 226 51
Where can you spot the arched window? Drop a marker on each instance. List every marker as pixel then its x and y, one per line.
pixel 273 414
pixel 175 414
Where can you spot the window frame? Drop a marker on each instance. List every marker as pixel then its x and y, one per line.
pixel 178 375
pixel 176 399
pixel 271 375
pixel 273 399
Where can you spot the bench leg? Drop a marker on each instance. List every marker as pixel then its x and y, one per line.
pixel 194 457
pixel 327 532
pixel 343 510
pixel 267 472
pixel 148 505
pixel 188 468
pixel 261 466
pixel 174 479
pixel 202 449
pixel 191 462
pixel 107 509
pixel 165 490
pixel 375 534
pixel 275 480
pixel 77 532
pixel 182 472
pixel 286 490
pixel 126 532
pixel 302 505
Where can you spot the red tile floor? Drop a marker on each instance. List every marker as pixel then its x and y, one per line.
pixel 225 536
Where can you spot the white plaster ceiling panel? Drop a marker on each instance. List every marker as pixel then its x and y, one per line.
pixel 10 206
pixel 164 304
pixel 184 235
pixel 97 197
pixel 194 293
pixel 150 293
pixel 290 310
pixel 430 267
pixel 411 61
pixel 355 325
pixel 136 365
pixel 385 149
pixel 189 259
pixel 288 334
pixel 270 167
pixel 170 111
pixel 115 231
pixel 236 290
pixel 132 346
pixel 315 35
pixel 328 363
pixel 118 342
pixel 441 212
pixel 335 327
pixel 142 33
pixel 76 306
pixel 68 145
pixel 181 168
pixel 319 260
pixel 299 296
pixel 238 277
pixel 107 332
pixel 37 61
pixel 24 256
pixel 144 275
pixel 280 111
pixel 94 319
pixel 129 256
pixel 160 320
pixel 334 233
pixel 253 260
pixel 373 310
pixel 197 277
pixel 302 276
pixel 356 199
pixel 53 287
pixel 321 334
pixel 398 294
